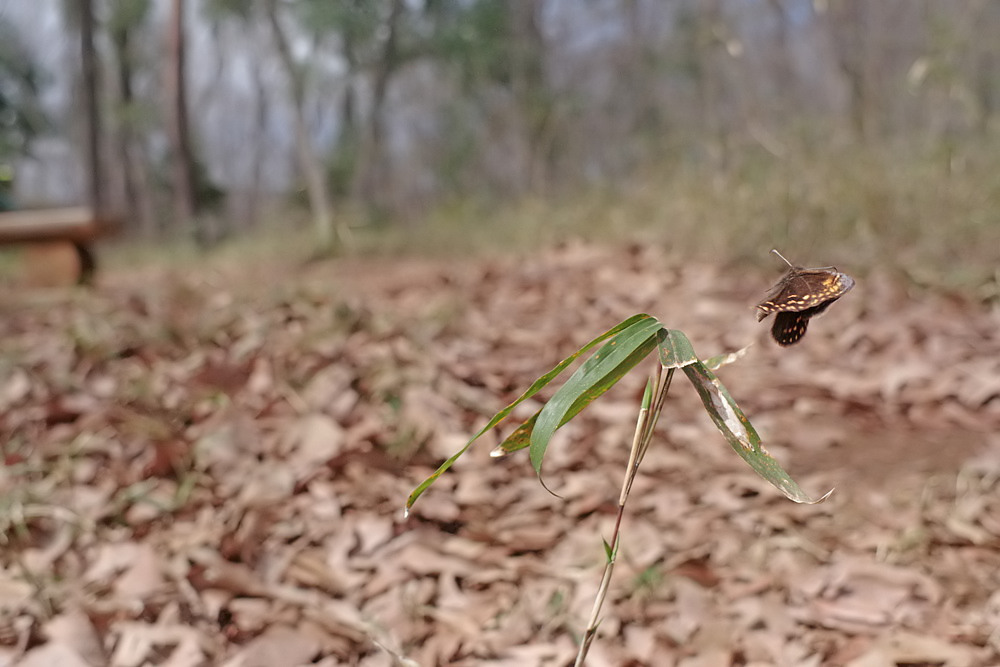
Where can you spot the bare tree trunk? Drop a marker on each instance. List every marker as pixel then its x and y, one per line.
pixel 138 160
pixel 529 88
pixel 985 64
pixel 138 203
pixel 88 58
pixel 182 164
pixel 782 68
pixel 260 149
pixel 312 170
pixel 370 152
pixel 708 27
pixel 636 93
pixel 846 21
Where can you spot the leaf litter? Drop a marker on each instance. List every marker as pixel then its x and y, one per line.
pixel 208 468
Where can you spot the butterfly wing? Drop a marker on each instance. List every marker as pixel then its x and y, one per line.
pixel 775 296
pixel 799 295
pixel 802 289
pixel 789 327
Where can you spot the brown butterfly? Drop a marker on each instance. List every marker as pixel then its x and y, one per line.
pixel 800 294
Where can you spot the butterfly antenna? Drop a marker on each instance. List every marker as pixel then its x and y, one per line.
pixel 782 258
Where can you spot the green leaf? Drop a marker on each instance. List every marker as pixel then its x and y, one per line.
pixel 594 377
pixel 740 433
pixel 531 391
pixel 676 350
pixel 647 395
pixel 520 437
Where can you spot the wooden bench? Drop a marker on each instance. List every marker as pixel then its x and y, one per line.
pixel 56 238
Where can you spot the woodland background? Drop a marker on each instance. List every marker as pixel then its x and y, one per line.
pixel 445 119
pixel 355 229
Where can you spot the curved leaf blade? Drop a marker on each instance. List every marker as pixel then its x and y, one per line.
pixel 594 377
pixel 720 360
pixel 740 433
pixel 521 436
pixel 536 386
pixel 676 350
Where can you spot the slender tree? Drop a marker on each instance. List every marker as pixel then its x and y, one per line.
pixel 182 160
pixel 497 49
pixel 370 153
pixel 312 170
pixel 21 82
pixel 90 93
pixel 127 17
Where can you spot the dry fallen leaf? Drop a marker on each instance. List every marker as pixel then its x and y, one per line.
pixel 278 646
pixel 201 471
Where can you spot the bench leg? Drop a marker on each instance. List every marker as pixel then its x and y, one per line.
pixel 58 263
pixel 88 263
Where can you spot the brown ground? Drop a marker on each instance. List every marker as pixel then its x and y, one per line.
pixel 208 467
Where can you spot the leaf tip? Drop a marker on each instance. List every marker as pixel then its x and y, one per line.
pixel 826 495
pixel 545 486
pixel 804 500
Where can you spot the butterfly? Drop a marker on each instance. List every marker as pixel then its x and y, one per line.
pixel 800 294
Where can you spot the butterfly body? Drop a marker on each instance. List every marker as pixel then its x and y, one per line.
pixel 800 294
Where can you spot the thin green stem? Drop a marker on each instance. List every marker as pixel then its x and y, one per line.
pixel 646 421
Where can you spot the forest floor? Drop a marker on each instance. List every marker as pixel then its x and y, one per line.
pixel 208 467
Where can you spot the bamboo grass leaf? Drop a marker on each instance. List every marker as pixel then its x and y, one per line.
pixel 720 360
pixel 676 350
pixel 594 377
pixel 521 436
pixel 531 391
pixel 740 433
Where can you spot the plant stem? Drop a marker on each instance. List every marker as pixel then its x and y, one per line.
pixel 649 413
